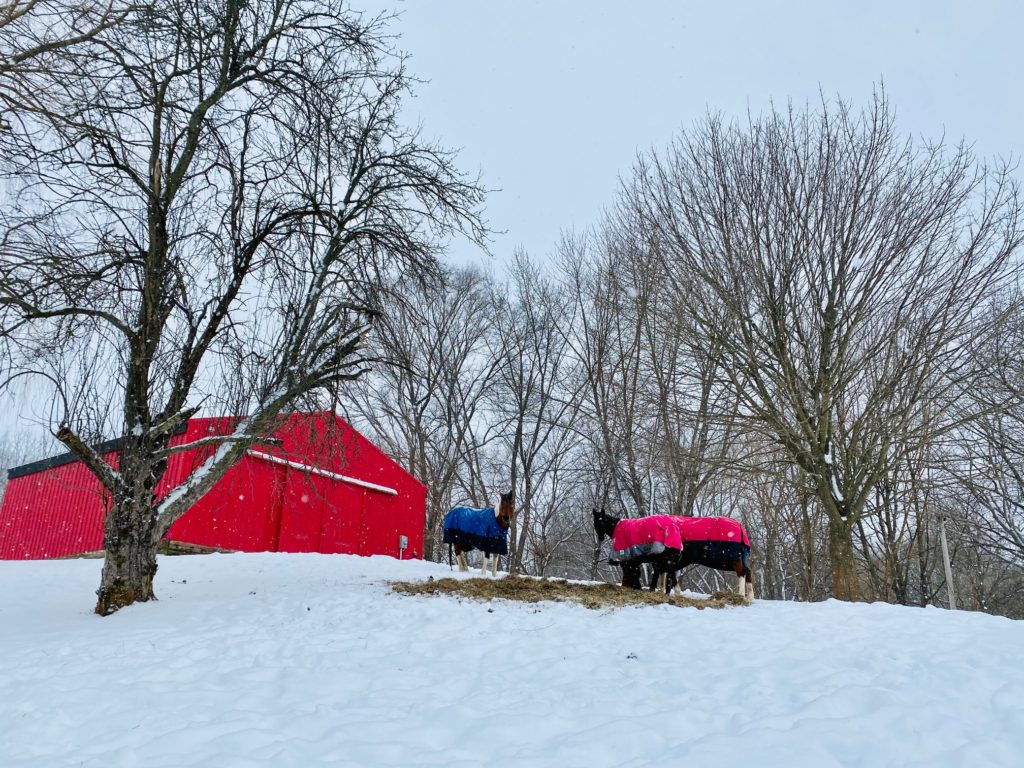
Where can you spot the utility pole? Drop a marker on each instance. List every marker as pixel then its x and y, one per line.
pixel 945 562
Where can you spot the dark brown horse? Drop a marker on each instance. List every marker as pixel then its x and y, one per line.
pixel 719 543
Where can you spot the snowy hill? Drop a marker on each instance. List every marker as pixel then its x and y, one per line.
pixel 309 660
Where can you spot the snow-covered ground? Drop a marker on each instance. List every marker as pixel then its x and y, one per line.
pixel 309 660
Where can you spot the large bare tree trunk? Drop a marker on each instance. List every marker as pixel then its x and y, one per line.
pixel 845 584
pixel 130 561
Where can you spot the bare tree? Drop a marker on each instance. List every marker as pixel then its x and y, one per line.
pixel 32 32
pixel 16 449
pixel 838 270
pixel 989 458
pixel 606 342
pixel 207 210
pixel 535 403
pixel 651 404
pixel 425 402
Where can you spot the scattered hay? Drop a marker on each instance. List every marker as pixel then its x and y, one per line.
pixel 166 547
pixel 530 590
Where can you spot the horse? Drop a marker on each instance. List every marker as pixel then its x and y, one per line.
pixel 653 540
pixel 715 542
pixel 467 528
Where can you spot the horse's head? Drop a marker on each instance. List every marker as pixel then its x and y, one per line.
pixel 506 510
pixel 604 524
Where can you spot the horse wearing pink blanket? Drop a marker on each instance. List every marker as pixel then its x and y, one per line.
pixel 671 542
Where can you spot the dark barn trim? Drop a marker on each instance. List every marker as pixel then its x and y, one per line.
pixel 68 458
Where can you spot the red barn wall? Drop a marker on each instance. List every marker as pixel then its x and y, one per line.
pixel 257 506
pixel 53 513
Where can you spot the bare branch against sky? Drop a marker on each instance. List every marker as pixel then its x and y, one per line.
pixel 552 99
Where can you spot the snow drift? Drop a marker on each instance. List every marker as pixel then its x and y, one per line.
pixel 309 660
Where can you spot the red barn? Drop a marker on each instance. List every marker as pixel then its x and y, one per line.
pixel 325 488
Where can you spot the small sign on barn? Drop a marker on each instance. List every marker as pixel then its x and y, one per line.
pixel 324 488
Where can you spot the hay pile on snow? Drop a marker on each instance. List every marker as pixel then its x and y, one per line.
pixel 530 590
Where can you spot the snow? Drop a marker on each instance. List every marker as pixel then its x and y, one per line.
pixel 310 660
pixel 836 493
pixel 197 477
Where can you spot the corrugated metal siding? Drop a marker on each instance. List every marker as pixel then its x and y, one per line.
pixel 240 512
pixel 343 521
pixel 375 520
pixel 257 506
pixel 53 513
pixel 302 511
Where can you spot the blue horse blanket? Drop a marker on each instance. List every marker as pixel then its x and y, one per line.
pixel 475 529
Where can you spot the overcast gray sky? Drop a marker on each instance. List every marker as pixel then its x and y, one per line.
pixel 552 99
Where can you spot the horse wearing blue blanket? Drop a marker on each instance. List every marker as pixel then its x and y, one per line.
pixel 466 529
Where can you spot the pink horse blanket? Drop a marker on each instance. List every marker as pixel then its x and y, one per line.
pixel 650 536
pixel 645 537
pixel 711 529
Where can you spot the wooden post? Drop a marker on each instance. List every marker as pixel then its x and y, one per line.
pixel 945 562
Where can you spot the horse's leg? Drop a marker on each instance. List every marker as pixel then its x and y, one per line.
pixel 460 556
pixel 484 557
pixel 655 577
pixel 631 575
pixel 750 585
pixel 684 559
pixel 668 570
pixel 635 580
pixel 741 578
pixel 494 566
pixel 660 569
